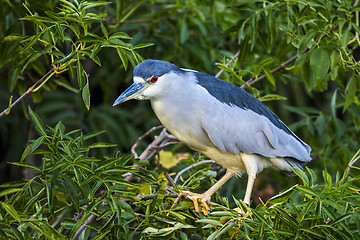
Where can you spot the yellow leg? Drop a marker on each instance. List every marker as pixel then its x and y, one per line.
pixel 206 196
pixel 216 186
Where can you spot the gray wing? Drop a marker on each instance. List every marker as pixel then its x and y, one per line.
pixel 234 130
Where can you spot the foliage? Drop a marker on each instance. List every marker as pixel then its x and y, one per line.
pixel 76 51
pixel 78 195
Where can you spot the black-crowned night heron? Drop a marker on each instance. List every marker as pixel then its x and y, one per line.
pixel 218 119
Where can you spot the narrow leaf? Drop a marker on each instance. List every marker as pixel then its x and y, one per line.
pixel 86 96
pixel 269 77
pixel 11 210
pixel 120 35
pixel 350 93
pixel 104 31
pixel 39 126
pixel 123 57
pixel 9 191
pixel 80 74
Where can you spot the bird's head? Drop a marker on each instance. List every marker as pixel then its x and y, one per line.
pixel 151 78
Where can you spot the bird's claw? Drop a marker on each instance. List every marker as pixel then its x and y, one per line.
pixel 196 199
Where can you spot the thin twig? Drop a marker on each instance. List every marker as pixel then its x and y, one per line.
pixel 150 150
pixel 84 226
pixel 191 167
pixel 352 163
pixel 356 3
pixel 51 71
pixel 281 66
pixel 171 181
pixel 164 145
pixel 152 196
pixel 227 64
pixel 133 148
pixel 58 218
pixel 252 81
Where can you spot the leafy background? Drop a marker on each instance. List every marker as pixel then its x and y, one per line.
pixel 60 172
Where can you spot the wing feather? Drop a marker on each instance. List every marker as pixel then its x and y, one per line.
pixel 238 122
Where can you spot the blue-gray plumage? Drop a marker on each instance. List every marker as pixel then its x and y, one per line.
pixel 219 119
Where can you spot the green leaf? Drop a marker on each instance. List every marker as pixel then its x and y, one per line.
pixel 27 165
pixel 350 92
pixel 313 232
pixel 104 31
pixel 306 190
pixel 91 39
pixel 80 74
pixel 345 36
pixel 271 97
pixel 60 31
pixel 211 222
pixel 320 64
pixel 101 145
pixel 101 235
pixel 120 35
pixel 184 32
pixel 95 50
pixel 49 196
pixel 37 143
pixel 269 77
pixel 341 218
pixel 122 56
pixel 86 96
pixel 32 41
pixel 31 202
pixel 244 50
pixel 93 134
pixel 65 59
pixel 84 5
pixel 26 152
pixel 333 104
pixel 301 174
pixel 9 191
pixel 13 77
pixel 327 179
pixel 75 29
pixel 142 45
pixel 11 211
pixel 334 64
pixel 39 126
pixel 282 197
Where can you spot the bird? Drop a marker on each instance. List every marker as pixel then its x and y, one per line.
pixel 219 119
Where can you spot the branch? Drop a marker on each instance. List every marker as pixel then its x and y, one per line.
pixel 171 181
pixel 191 167
pixel 227 64
pixel 152 196
pixel 252 81
pixel 82 228
pixel 153 148
pixel 48 74
pixel 352 163
pixel 133 148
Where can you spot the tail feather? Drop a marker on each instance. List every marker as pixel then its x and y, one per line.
pixel 294 163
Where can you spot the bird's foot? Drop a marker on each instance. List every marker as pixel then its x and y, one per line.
pixel 197 199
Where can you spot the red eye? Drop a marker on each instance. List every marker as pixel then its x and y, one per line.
pixel 154 79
